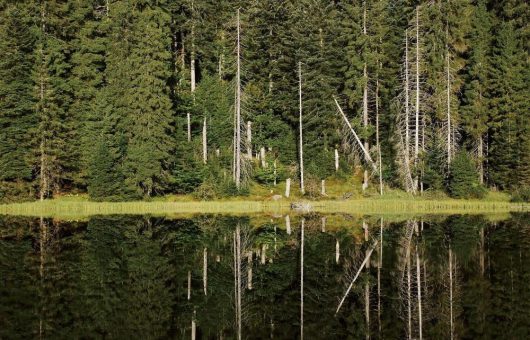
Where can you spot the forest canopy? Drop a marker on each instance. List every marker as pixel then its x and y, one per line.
pixel 128 99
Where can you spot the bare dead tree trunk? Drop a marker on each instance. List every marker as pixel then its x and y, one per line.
pixel 365 101
pixel 249 139
pixel 407 102
pixel 302 188
pixel 337 251
pixel 336 160
pixel 449 133
pixel 288 224
pixel 288 187
pixel 323 188
pixel 417 125
pixel 481 159
pixel 377 140
pixel 237 142
pixel 204 143
pixel 188 116
pixel 364 150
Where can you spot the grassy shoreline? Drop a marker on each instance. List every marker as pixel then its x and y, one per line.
pixel 81 207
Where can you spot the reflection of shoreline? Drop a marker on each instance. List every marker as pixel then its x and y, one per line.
pixel 387 207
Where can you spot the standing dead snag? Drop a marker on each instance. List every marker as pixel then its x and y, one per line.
pixel 302 189
pixel 237 120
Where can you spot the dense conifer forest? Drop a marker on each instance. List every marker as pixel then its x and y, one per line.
pixel 129 99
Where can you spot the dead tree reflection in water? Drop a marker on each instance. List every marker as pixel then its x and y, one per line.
pixel 412 281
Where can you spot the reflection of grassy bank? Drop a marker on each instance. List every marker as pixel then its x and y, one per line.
pixel 79 206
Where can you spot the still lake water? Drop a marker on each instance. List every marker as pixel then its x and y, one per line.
pixel 263 277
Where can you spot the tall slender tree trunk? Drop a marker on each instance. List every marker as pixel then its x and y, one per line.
pixel 377 140
pixel 43 183
pixel 365 101
pixel 204 143
pixel 407 103
pixel 249 139
pixel 480 154
pixel 417 124
pixel 302 188
pixel 449 132
pixel 237 142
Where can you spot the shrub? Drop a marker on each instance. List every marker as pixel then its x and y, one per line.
pixel 521 195
pixel 267 176
pixel 463 178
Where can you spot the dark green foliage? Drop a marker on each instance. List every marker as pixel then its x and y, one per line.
pixel 94 95
pixel 463 178
pixel 106 182
pixel 16 104
pixel 521 194
pixel 273 173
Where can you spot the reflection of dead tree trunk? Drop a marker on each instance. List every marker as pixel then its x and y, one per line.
pixel 302 280
pixel 451 320
pixel 337 251
pixel 189 284
pixel 237 272
pixel 418 276
pixel 193 326
pixel 249 270
pixel 366 259
pixel 379 267
pixel 205 271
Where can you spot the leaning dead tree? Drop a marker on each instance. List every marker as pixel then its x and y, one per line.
pixel 365 152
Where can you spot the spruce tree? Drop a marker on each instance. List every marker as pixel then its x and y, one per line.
pixel 508 160
pixel 17 117
pixel 475 105
pixel 55 132
pixel 148 123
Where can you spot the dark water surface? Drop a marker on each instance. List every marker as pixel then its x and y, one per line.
pixel 263 277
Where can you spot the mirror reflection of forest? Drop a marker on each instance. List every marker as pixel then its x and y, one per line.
pixel 284 277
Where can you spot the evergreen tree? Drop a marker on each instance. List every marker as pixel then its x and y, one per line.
pixel 56 157
pixel 148 123
pixel 474 109
pixel 508 159
pixel 16 102
pixel 463 179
